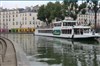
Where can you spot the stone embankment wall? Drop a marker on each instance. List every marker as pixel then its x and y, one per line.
pixel 11 54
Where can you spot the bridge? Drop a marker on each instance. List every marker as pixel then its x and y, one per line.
pixel 11 54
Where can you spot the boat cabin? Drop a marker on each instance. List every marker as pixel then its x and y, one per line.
pixel 64 27
pixel 82 30
pixel 64 23
pixel 69 23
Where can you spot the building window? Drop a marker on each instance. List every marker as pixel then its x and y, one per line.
pixel 13 23
pixel 30 22
pixel 6 19
pixel 25 14
pixel 16 15
pixel 33 18
pixel 13 12
pixel 16 23
pixel 30 14
pixel 33 22
pixel 25 18
pixel 13 19
pixel 6 16
pixel 16 11
pixel 25 23
pixel 3 19
pixel 13 15
pixel 3 13
pixel 9 19
pixel 6 23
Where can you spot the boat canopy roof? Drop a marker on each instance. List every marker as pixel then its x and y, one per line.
pixel 65 21
pixel 69 21
pixel 81 27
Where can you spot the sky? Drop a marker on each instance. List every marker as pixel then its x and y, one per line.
pixel 21 4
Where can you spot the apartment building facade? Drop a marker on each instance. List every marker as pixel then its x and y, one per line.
pixel 89 18
pixel 19 18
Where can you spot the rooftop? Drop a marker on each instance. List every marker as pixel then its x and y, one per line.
pixel 21 10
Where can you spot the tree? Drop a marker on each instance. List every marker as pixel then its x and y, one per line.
pixel 83 11
pixel 45 13
pixel 50 12
pixel 72 8
pixel 41 13
pixel 82 8
pixel 59 12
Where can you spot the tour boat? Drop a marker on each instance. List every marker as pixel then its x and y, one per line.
pixel 68 29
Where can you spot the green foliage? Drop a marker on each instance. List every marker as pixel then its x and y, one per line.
pixel 50 12
pixel 74 16
pixel 41 13
pixel 95 1
pixel 59 11
pixel 72 8
pixel 82 6
pixel 83 11
pixel 70 1
pixel 45 13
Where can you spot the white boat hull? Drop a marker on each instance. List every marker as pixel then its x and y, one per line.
pixel 69 35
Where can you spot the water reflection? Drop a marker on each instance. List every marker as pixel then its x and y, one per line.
pixel 27 42
pixel 67 53
pixel 48 51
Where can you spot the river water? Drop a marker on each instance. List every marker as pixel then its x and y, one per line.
pixel 48 51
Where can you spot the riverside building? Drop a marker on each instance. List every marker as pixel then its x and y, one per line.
pixel 19 20
pixel 89 17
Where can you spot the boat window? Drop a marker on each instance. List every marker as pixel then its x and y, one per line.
pixel 78 31
pixel 68 23
pixel 45 31
pixel 57 24
pixel 66 31
pixel 86 30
